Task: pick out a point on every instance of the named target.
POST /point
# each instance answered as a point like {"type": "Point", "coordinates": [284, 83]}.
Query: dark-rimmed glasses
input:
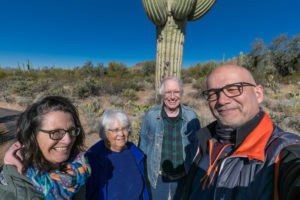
{"type": "Point", "coordinates": [58, 134]}
{"type": "Point", "coordinates": [117, 130]}
{"type": "Point", "coordinates": [230, 90]}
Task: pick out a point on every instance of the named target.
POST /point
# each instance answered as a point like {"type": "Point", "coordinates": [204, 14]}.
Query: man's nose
{"type": "Point", "coordinates": [222, 98]}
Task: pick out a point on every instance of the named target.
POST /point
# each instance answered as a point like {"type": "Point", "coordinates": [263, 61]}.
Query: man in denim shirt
{"type": "Point", "coordinates": [168, 140]}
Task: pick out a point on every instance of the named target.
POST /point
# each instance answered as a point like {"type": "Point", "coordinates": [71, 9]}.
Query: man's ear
{"type": "Point", "coordinates": [259, 92]}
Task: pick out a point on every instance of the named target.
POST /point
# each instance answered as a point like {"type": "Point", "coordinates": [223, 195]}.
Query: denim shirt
{"type": "Point", "coordinates": [151, 138]}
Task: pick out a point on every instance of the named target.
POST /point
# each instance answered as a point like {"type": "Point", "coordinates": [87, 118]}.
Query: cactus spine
{"type": "Point", "coordinates": [170, 18]}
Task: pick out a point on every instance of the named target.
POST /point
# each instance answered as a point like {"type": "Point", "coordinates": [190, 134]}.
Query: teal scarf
{"type": "Point", "coordinates": [61, 185]}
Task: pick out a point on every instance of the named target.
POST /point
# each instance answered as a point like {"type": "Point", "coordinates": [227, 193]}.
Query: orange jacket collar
{"type": "Point", "coordinates": [254, 144]}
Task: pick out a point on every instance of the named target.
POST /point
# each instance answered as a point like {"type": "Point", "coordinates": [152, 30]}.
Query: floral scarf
{"type": "Point", "coordinates": [60, 185]}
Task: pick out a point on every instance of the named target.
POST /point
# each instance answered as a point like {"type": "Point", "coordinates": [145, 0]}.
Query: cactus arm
{"type": "Point", "coordinates": [182, 8]}
{"type": "Point", "coordinates": [156, 11]}
{"type": "Point", "coordinates": [201, 7]}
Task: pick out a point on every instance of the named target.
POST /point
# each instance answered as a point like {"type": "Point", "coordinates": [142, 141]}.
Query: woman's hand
{"type": "Point", "coordinates": [13, 156]}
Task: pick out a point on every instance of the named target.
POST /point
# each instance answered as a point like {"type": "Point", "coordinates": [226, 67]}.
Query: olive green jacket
{"type": "Point", "coordinates": [15, 186]}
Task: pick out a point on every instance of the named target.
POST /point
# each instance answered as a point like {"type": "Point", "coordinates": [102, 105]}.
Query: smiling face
{"type": "Point", "coordinates": [56, 151]}
{"type": "Point", "coordinates": [117, 136]}
{"type": "Point", "coordinates": [236, 111]}
{"type": "Point", "coordinates": [171, 95]}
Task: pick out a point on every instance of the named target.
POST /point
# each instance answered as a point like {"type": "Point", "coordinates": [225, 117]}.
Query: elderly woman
{"type": "Point", "coordinates": [50, 145]}
{"type": "Point", "coordinates": [117, 165]}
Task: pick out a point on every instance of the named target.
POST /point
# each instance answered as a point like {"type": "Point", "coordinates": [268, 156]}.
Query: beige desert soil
{"type": "Point", "coordinates": [11, 106]}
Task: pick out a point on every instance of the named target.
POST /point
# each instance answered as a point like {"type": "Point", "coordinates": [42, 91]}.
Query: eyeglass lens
{"type": "Point", "coordinates": [117, 130]}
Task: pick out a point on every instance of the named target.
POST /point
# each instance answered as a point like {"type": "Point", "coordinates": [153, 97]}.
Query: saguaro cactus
{"type": "Point", "coordinates": [170, 18]}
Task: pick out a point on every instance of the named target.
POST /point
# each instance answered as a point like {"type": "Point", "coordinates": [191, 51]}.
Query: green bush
{"type": "Point", "coordinates": [130, 95]}
{"type": "Point", "coordinates": [85, 88]}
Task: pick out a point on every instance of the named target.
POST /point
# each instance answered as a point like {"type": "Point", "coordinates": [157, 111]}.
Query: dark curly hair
{"type": "Point", "coordinates": [29, 123]}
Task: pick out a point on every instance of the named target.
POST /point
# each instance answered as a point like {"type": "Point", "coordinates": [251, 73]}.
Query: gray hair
{"type": "Point", "coordinates": [110, 116]}
{"type": "Point", "coordinates": [161, 90]}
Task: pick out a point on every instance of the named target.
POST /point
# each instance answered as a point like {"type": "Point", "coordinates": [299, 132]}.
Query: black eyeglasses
{"type": "Point", "coordinates": [230, 90]}
{"type": "Point", "coordinates": [58, 134]}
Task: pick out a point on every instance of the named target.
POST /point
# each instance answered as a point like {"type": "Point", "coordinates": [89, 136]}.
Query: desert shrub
{"type": "Point", "coordinates": [22, 87]}
{"type": "Point", "coordinates": [115, 86]}
{"type": "Point", "coordinates": [117, 69]}
{"type": "Point", "coordinates": [92, 110]}
{"type": "Point", "coordinates": [41, 85]}
{"type": "Point", "coordinates": [136, 113]}
{"type": "Point", "coordinates": [273, 105]}
{"type": "Point", "coordinates": [140, 110]}
{"type": "Point", "coordinates": [135, 125]}
{"type": "Point", "coordinates": [267, 79]}
{"type": "Point", "coordinates": [151, 99]}
{"type": "Point", "coordinates": [3, 85]}
{"type": "Point", "coordinates": [290, 105]}
{"type": "Point", "coordinates": [58, 91]}
{"type": "Point", "coordinates": [199, 70]}
{"type": "Point", "coordinates": [291, 124]}
{"type": "Point", "coordinates": [6, 97]}
{"type": "Point", "coordinates": [85, 88]}
{"type": "Point", "coordinates": [187, 79]}
{"type": "Point", "coordinates": [292, 94]}
{"type": "Point", "coordinates": [291, 79]}
{"type": "Point", "coordinates": [148, 68]}
{"type": "Point", "coordinates": [130, 95]}
{"type": "Point", "coordinates": [93, 105]}
{"type": "Point", "coordinates": [136, 83]}
{"type": "Point", "coordinates": [286, 122]}
{"type": "Point", "coordinates": [200, 86]}
{"type": "Point", "coordinates": [149, 83]}
{"type": "Point", "coordinates": [194, 95]}
{"type": "Point", "coordinates": [116, 101]}
{"type": "Point", "coordinates": [3, 73]}
{"type": "Point", "coordinates": [24, 101]}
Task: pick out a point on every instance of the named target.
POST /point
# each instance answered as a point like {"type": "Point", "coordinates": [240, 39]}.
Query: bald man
{"type": "Point", "coordinates": [242, 155]}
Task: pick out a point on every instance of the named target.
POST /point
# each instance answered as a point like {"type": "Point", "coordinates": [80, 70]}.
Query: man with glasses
{"type": "Point", "coordinates": [168, 138]}
{"type": "Point", "coordinates": [242, 155]}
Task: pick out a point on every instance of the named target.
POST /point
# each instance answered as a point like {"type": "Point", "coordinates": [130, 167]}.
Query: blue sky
{"type": "Point", "coordinates": [68, 33]}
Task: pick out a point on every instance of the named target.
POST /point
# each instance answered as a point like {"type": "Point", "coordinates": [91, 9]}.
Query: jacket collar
{"type": "Point", "coordinates": [166, 117]}
{"type": "Point", "coordinates": [243, 131]}
{"type": "Point", "coordinates": [254, 142]}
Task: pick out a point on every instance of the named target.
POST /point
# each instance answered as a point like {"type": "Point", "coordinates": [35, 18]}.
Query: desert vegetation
{"type": "Point", "coordinates": [95, 87]}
